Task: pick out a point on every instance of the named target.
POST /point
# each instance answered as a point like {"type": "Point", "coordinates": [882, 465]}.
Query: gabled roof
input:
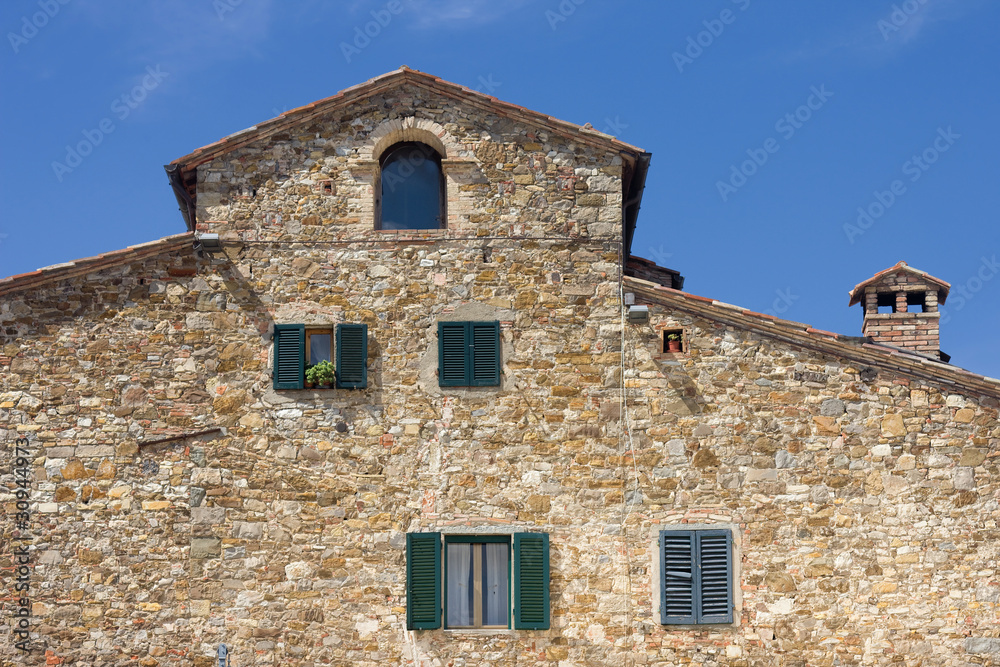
{"type": "Point", "coordinates": [183, 171]}
{"type": "Point", "coordinates": [858, 350]}
{"type": "Point", "coordinates": [901, 266]}
{"type": "Point", "coordinates": [404, 75]}
{"type": "Point", "coordinates": [56, 272]}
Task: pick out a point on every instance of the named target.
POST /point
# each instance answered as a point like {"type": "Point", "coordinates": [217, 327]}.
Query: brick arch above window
{"type": "Point", "coordinates": [399, 130]}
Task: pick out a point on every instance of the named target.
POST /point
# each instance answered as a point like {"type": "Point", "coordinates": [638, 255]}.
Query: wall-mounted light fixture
{"type": "Point", "coordinates": [638, 314]}
{"type": "Point", "coordinates": [209, 243]}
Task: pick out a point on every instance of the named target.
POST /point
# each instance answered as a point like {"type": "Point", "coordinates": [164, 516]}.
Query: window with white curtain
{"type": "Point", "coordinates": [477, 581]}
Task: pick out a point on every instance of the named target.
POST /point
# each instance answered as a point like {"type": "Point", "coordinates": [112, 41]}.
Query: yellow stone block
{"type": "Point", "coordinates": [155, 504]}
{"type": "Point", "coordinates": [884, 587]}
{"type": "Point", "coordinates": [965, 415]}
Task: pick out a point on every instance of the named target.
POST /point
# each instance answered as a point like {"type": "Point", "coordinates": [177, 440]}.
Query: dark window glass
{"type": "Point", "coordinates": [319, 348]}
{"type": "Point", "coordinates": [412, 194]}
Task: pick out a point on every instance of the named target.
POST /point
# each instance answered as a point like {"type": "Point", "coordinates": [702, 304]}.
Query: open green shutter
{"type": "Point", "coordinates": [677, 590]}
{"type": "Point", "coordinates": [452, 354]}
{"type": "Point", "coordinates": [352, 356]}
{"type": "Point", "coordinates": [531, 581]}
{"type": "Point", "coordinates": [423, 581]}
{"type": "Point", "coordinates": [715, 576]}
{"type": "Point", "coordinates": [289, 355]}
{"type": "Point", "coordinates": [485, 354]}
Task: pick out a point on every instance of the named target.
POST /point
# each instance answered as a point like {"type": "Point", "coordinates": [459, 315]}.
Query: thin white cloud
{"type": "Point", "coordinates": [891, 30]}
{"type": "Point", "coordinates": [185, 36]}
{"type": "Point", "coordinates": [459, 13]}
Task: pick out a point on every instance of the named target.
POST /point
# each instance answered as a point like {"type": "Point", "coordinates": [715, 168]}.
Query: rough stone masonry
{"type": "Point", "coordinates": [179, 501]}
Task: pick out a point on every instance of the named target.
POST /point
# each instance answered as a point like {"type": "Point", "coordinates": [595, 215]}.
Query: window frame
{"type": "Point", "coordinates": [697, 615]}
{"type": "Point", "coordinates": [430, 154]}
{"type": "Point", "coordinates": [310, 332]}
{"type": "Point", "coordinates": [288, 366]}
{"type": "Point", "coordinates": [478, 540]}
{"type": "Point", "coordinates": [528, 588]}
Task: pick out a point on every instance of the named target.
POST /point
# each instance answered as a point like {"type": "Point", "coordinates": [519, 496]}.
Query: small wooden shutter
{"type": "Point", "coordinates": [485, 354]}
{"type": "Point", "coordinates": [423, 581]}
{"type": "Point", "coordinates": [531, 581]}
{"type": "Point", "coordinates": [715, 570]}
{"type": "Point", "coordinates": [677, 590]}
{"type": "Point", "coordinates": [352, 356]}
{"type": "Point", "coordinates": [452, 354]}
{"type": "Point", "coordinates": [289, 355]}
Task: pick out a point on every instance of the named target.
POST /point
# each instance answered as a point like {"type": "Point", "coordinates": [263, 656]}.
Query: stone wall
{"type": "Point", "coordinates": [180, 501]}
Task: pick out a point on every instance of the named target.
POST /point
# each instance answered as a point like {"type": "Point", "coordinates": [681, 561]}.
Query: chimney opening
{"type": "Point", "coordinates": [917, 299]}
{"type": "Point", "coordinates": [886, 303]}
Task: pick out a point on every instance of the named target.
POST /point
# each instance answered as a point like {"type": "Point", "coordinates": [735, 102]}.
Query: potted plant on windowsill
{"type": "Point", "coordinates": [322, 374]}
{"type": "Point", "coordinates": [674, 343]}
{"type": "Point", "coordinates": [310, 380]}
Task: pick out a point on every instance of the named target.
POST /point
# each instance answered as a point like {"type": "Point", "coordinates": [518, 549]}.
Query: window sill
{"type": "Point", "coordinates": [479, 631]}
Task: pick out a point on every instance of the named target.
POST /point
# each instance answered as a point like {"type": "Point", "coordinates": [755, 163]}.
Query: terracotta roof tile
{"type": "Point", "coordinates": [858, 290]}
{"type": "Point", "coordinates": [377, 84]}
{"type": "Point", "coordinates": [858, 350]}
{"type": "Point", "coordinates": [14, 284]}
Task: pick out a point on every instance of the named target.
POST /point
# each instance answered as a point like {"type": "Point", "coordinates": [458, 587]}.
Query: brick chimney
{"type": "Point", "coordinates": [901, 309]}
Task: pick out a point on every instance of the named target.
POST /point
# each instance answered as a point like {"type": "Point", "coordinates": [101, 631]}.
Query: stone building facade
{"type": "Point", "coordinates": [180, 499]}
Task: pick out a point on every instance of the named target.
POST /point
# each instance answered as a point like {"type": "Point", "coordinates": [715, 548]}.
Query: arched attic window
{"type": "Point", "coordinates": [411, 188]}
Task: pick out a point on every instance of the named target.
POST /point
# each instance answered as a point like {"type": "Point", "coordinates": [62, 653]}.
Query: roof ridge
{"type": "Point", "coordinates": [300, 114]}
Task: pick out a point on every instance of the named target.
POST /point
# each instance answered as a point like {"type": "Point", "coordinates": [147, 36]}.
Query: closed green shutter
{"type": "Point", "coordinates": [531, 581]}
{"type": "Point", "coordinates": [715, 575]}
{"type": "Point", "coordinates": [423, 581]}
{"type": "Point", "coordinates": [352, 356]}
{"type": "Point", "coordinates": [677, 591]}
{"type": "Point", "coordinates": [289, 355]}
{"type": "Point", "coordinates": [468, 354]}
{"type": "Point", "coordinates": [485, 354]}
{"type": "Point", "coordinates": [697, 571]}
{"type": "Point", "coordinates": [452, 354]}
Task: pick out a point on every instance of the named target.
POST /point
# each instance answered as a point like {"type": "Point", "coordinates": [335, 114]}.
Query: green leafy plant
{"type": "Point", "coordinates": [673, 336]}
{"type": "Point", "coordinates": [322, 373]}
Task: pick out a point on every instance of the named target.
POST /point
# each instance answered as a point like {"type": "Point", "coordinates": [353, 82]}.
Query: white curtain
{"type": "Point", "coordinates": [495, 567]}
{"type": "Point", "coordinates": [459, 585]}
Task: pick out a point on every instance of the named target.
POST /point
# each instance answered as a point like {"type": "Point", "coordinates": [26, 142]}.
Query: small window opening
{"type": "Point", "coordinates": [673, 341]}
{"type": "Point", "coordinates": [326, 187]}
{"type": "Point", "coordinates": [886, 303]}
{"type": "Point", "coordinates": [319, 346]}
{"type": "Point", "coordinates": [411, 189]}
{"type": "Point", "coordinates": [916, 299]}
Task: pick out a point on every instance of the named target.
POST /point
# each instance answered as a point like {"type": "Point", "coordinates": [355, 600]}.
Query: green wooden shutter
{"type": "Point", "coordinates": [352, 356]}
{"type": "Point", "coordinates": [531, 581]}
{"type": "Point", "coordinates": [289, 355]}
{"type": "Point", "coordinates": [485, 353]}
{"type": "Point", "coordinates": [423, 581]}
{"type": "Point", "coordinates": [715, 576]}
{"type": "Point", "coordinates": [453, 369]}
{"type": "Point", "coordinates": [677, 589]}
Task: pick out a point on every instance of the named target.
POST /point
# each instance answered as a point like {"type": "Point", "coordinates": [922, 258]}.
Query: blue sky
{"type": "Point", "coordinates": [774, 127]}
